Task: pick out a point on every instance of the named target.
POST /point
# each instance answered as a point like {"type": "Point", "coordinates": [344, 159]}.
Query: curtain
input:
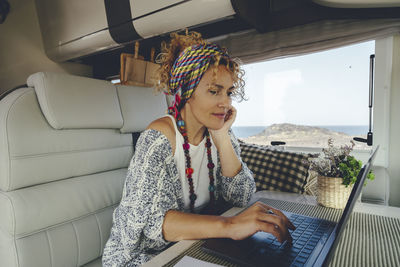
{"type": "Point", "coordinates": [251, 46]}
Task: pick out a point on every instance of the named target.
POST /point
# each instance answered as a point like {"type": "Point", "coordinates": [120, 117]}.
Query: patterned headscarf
{"type": "Point", "coordinates": [188, 70]}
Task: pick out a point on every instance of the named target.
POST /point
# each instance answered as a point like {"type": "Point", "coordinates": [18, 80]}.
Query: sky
{"type": "Point", "coordinates": [324, 88]}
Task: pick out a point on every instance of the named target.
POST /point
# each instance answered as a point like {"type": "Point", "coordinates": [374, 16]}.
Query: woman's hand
{"type": "Point", "coordinates": [230, 163]}
{"type": "Point", "coordinates": [222, 133]}
{"type": "Point", "coordinates": [260, 217]}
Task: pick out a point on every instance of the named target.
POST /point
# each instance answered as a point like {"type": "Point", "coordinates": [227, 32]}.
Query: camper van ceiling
{"type": "Point", "coordinates": [72, 29]}
{"type": "Point", "coordinates": [4, 9]}
{"type": "Point", "coordinates": [358, 3]}
{"type": "Point", "coordinates": [81, 30]}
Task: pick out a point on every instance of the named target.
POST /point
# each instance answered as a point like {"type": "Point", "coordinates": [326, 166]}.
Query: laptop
{"type": "Point", "coordinates": [314, 239]}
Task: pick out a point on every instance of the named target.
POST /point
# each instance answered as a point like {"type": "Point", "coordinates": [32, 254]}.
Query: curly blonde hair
{"type": "Point", "coordinates": [170, 52]}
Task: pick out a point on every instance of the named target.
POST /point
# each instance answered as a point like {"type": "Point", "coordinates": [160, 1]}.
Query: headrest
{"type": "Point", "coordinates": [139, 107]}
{"type": "Point", "coordinates": [71, 102]}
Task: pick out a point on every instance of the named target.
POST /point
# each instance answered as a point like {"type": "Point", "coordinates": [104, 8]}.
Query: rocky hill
{"type": "Point", "coordinates": [300, 135]}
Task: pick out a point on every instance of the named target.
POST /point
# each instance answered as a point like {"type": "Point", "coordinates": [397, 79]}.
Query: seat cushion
{"type": "Point", "coordinates": [61, 223]}
{"type": "Point", "coordinates": [95, 263]}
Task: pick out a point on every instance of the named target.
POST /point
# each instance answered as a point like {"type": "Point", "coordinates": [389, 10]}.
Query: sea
{"type": "Point", "coordinates": [359, 130]}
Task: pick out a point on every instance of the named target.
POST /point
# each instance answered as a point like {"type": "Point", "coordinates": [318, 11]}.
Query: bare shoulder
{"type": "Point", "coordinates": [165, 126]}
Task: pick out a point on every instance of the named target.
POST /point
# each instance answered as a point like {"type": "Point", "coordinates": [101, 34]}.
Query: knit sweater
{"type": "Point", "coordinates": [152, 188]}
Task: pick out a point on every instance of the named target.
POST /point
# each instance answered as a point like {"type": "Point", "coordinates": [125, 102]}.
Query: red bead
{"type": "Point", "coordinates": [186, 146]}
{"type": "Point", "coordinates": [189, 171]}
{"type": "Point", "coordinates": [210, 165]}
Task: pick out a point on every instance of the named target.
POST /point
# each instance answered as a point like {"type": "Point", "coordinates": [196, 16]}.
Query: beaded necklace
{"type": "Point", "coordinates": [189, 170]}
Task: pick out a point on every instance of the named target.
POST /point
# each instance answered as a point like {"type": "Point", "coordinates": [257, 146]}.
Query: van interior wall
{"type": "Point", "coordinates": [21, 48]}
{"type": "Point", "coordinates": [394, 141]}
{"type": "Point", "coordinates": [386, 123]}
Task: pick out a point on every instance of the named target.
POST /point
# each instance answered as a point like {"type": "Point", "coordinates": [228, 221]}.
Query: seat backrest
{"type": "Point", "coordinates": [65, 145]}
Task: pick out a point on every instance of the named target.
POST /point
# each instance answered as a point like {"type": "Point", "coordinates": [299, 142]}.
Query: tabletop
{"type": "Point", "coordinates": [181, 246]}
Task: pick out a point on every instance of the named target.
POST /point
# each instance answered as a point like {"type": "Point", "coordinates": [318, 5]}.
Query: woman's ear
{"type": "Point", "coordinates": [189, 102]}
{"type": "Point", "coordinates": [193, 96]}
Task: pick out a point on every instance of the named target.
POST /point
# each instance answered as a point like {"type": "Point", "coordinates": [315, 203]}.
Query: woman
{"type": "Point", "coordinates": [188, 161]}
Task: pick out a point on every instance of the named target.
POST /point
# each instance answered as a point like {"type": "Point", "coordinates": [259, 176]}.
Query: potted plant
{"type": "Point", "coordinates": [337, 172]}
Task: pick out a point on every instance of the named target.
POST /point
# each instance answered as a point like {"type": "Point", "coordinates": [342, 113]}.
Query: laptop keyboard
{"type": "Point", "coordinates": [309, 231]}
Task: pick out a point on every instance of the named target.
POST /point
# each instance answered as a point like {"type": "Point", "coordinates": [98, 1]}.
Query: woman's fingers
{"type": "Point", "coordinates": [287, 221]}
{"type": "Point", "coordinates": [233, 113]}
{"type": "Point", "coordinates": [269, 209]}
{"type": "Point", "coordinates": [275, 224]}
{"type": "Point", "coordinates": [275, 217]}
{"type": "Point", "coordinates": [274, 230]}
{"type": "Point", "coordinates": [260, 217]}
{"type": "Point", "coordinates": [230, 118]}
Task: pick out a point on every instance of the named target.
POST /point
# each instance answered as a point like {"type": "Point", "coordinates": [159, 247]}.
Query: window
{"type": "Point", "coordinates": [304, 100]}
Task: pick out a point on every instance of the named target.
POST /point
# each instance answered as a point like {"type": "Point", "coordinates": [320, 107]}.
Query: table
{"type": "Point", "coordinates": [180, 247]}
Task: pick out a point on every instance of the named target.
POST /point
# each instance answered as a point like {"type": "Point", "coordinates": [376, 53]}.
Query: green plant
{"type": "Point", "coordinates": [337, 162]}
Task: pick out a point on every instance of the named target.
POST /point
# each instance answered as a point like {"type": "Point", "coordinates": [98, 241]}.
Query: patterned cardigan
{"type": "Point", "coordinates": [153, 187]}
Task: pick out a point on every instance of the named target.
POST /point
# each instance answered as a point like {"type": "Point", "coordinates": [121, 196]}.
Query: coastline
{"type": "Point", "coordinates": [302, 136]}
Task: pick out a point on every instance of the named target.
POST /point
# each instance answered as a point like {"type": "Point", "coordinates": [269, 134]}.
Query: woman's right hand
{"type": "Point", "coordinates": [260, 217]}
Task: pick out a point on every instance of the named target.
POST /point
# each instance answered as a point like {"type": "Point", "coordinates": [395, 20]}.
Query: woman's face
{"type": "Point", "coordinates": [211, 100]}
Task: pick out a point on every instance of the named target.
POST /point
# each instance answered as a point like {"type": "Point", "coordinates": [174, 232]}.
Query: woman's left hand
{"type": "Point", "coordinates": [222, 133]}
{"type": "Point", "coordinates": [230, 163]}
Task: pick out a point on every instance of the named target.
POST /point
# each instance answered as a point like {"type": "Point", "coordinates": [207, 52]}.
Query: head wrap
{"type": "Point", "coordinates": [188, 69]}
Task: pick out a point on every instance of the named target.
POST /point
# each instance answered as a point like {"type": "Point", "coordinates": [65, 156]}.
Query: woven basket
{"type": "Point", "coordinates": [332, 193]}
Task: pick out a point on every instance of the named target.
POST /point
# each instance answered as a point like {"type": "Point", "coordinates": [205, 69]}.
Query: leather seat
{"type": "Point", "coordinates": [65, 145]}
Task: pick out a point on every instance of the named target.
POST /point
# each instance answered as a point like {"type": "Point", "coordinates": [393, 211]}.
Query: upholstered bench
{"type": "Point", "coordinates": [65, 145]}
